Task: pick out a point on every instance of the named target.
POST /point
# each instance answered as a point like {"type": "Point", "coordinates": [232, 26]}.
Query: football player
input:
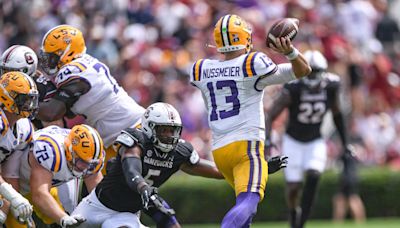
{"type": "Point", "coordinates": [57, 156]}
{"type": "Point", "coordinates": [147, 158]}
{"type": "Point", "coordinates": [24, 59]}
{"type": "Point", "coordinates": [18, 101]}
{"type": "Point", "coordinates": [307, 100]}
{"type": "Point", "coordinates": [85, 86]}
{"type": "Point", "coordinates": [232, 90]}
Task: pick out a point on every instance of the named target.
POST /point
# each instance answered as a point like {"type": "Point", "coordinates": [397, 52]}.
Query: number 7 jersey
{"type": "Point", "coordinates": [234, 105]}
{"type": "Point", "coordinates": [106, 106]}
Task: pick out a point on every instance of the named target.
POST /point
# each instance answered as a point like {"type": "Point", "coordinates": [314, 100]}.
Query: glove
{"type": "Point", "coordinates": [156, 201]}
{"type": "Point", "coordinates": [21, 209]}
{"type": "Point", "coordinates": [145, 193]}
{"type": "Point", "coordinates": [348, 154]}
{"type": "Point", "coordinates": [276, 163]}
{"type": "Point", "coordinates": [71, 221]}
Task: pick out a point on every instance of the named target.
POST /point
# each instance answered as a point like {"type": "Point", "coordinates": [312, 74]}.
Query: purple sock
{"type": "Point", "coordinates": [243, 212]}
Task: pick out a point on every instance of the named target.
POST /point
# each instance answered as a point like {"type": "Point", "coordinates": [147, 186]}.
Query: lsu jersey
{"type": "Point", "coordinates": [48, 150]}
{"type": "Point", "coordinates": [106, 106]}
{"type": "Point", "coordinates": [15, 137]}
{"type": "Point", "coordinates": [234, 104]}
{"type": "Point", "coordinates": [309, 105]}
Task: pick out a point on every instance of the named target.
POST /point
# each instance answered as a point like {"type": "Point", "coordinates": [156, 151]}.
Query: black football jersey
{"type": "Point", "coordinates": [157, 168]}
{"type": "Point", "coordinates": [309, 106]}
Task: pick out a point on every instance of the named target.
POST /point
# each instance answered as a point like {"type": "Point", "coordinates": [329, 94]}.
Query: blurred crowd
{"type": "Point", "coordinates": [149, 46]}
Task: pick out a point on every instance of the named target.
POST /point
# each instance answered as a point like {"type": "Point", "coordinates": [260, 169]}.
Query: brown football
{"type": "Point", "coordinates": [286, 27]}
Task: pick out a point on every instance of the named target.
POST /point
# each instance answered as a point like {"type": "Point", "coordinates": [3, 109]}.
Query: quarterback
{"type": "Point", "coordinates": [57, 156]}
{"type": "Point", "coordinates": [18, 100]}
{"type": "Point", "coordinates": [232, 90]}
{"type": "Point", "coordinates": [85, 86]}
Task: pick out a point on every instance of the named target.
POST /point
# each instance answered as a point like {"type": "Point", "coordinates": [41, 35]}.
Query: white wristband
{"type": "Point", "coordinates": [8, 192]}
{"type": "Point", "coordinates": [292, 55]}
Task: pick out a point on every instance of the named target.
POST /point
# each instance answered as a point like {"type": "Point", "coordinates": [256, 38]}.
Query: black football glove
{"type": "Point", "coordinates": [145, 193]}
{"type": "Point", "coordinates": [150, 198]}
{"type": "Point", "coordinates": [156, 201]}
{"type": "Point", "coordinates": [348, 154]}
{"type": "Point", "coordinates": [276, 163]}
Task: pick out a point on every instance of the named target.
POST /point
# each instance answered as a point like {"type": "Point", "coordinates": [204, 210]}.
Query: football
{"type": "Point", "coordinates": [286, 27]}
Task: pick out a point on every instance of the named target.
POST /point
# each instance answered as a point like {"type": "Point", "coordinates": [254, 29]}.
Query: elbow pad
{"type": "Point", "coordinates": [132, 168]}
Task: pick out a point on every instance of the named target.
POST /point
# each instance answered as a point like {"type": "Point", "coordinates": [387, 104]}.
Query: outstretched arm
{"type": "Point", "coordinates": [65, 97]}
{"type": "Point", "coordinates": [204, 168]}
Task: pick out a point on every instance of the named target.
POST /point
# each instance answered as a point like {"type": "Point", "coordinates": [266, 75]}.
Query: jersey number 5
{"type": "Point", "coordinates": [233, 98]}
{"type": "Point", "coordinates": [150, 173]}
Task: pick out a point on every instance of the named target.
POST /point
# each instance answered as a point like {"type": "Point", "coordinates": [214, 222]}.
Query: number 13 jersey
{"type": "Point", "coordinates": [234, 105]}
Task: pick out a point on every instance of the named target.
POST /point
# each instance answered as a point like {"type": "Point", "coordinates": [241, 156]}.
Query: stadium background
{"type": "Point", "coordinates": [150, 45]}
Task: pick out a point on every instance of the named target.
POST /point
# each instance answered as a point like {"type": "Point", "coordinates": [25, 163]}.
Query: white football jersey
{"type": "Point", "coordinates": [106, 107]}
{"type": "Point", "coordinates": [15, 137]}
{"type": "Point", "coordinates": [48, 150]}
{"type": "Point", "coordinates": [234, 105]}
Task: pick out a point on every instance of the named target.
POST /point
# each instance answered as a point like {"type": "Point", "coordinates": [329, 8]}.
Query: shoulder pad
{"type": "Point", "coordinates": [258, 64]}
{"type": "Point", "coordinates": [48, 153]}
{"type": "Point", "coordinates": [332, 77]}
{"type": "Point", "coordinates": [128, 137]}
{"type": "Point", "coordinates": [194, 157]}
{"type": "Point", "coordinates": [184, 148]}
{"type": "Point", "coordinates": [195, 70]}
{"type": "Point", "coordinates": [23, 133]}
{"type": "Point", "coordinates": [69, 72]}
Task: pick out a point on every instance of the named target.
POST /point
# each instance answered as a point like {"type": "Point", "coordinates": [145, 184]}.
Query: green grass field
{"type": "Point", "coordinates": [371, 223]}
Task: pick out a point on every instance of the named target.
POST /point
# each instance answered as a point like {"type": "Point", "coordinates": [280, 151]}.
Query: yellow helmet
{"type": "Point", "coordinates": [18, 94]}
{"type": "Point", "coordinates": [84, 150]}
{"type": "Point", "coordinates": [60, 45]}
{"type": "Point", "coordinates": [232, 33]}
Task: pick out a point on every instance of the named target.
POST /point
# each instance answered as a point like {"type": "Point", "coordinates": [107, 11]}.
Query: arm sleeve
{"type": "Point", "coordinates": [340, 126]}
{"type": "Point", "coordinates": [70, 93]}
{"type": "Point", "coordinates": [283, 74]}
{"type": "Point", "coordinates": [132, 168]}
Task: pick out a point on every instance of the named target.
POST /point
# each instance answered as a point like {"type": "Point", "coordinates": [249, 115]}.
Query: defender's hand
{"type": "Point", "coordinates": [348, 154]}
{"type": "Point", "coordinates": [145, 193]}
{"type": "Point", "coordinates": [157, 202]}
{"type": "Point", "coordinates": [277, 163]}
